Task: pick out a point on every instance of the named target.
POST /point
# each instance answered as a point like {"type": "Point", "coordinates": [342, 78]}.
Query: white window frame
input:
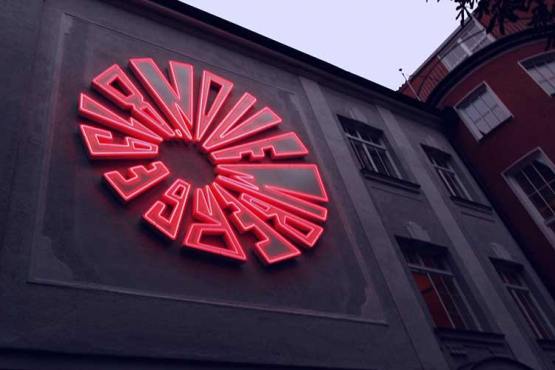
{"type": "Point", "coordinates": [381, 147]}
{"type": "Point", "coordinates": [461, 42]}
{"type": "Point", "coordinates": [531, 60]}
{"type": "Point", "coordinates": [470, 125]}
{"type": "Point", "coordinates": [448, 273]}
{"type": "Point", "coordinates": [521, 195]}
{"type": "Point", "coordinates": [440, 170]}
{"type": "Point", "coordinates": [524, 288]}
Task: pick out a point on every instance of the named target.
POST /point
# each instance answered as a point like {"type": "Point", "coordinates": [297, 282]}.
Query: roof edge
{"type": "Point", "coordinates": [307, 62]}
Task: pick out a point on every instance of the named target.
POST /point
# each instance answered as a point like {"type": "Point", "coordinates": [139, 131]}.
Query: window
{"type": "Point", "coordinates": [440, 291]}
{"type": "Point", "coordinates": [526, 303]}
{"type": "Point", "coordinates": [542, 70]}
{"type": "Point", "coordinates": [442, 163]}
{"type": "Point", "coordinates": [369, 148]}
{"type": "Point", "coordinates": [472, 39]}
{"type": "Point", "coordinates": [482, 111]}
{"type": "Point", "coordinates": [536, 179]}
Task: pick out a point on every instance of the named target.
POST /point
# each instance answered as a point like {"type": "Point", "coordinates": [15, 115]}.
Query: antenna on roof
{"type": "Point", "coordinates": [408, 83]}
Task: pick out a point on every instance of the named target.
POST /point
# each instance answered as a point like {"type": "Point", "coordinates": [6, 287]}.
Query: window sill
{"type": "Point", "coordinates": [392, 181]}
{"type": "Point", "coordinates": [470, 336]}
{"type": "Point", "coordinates": [470, 204]}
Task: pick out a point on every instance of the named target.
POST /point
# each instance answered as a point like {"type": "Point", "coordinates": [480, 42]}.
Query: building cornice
{"type": "Point", "coordinates": [481, 57]}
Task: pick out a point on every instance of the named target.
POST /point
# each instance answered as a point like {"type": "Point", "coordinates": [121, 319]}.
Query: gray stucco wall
{"type": "Point", "coordinates": [83, 286]}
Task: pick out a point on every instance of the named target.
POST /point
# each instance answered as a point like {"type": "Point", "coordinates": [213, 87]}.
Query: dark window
{"type": "Point", "coordinates": [370, 149]}
{"type": "Point", "coordinates": [537, 181]}
{"type": "Point", "coordinates": [439, 289]}
{"type": "Point", "coordinates": [442, 164]}
{"type": "Point", "coordinates": [526, 303]}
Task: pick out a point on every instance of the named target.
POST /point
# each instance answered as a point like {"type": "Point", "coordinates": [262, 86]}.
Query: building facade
{"type": "Point", "coordinates": [180, 193]}
{"type": "Point", "coordinates": [501, 90]}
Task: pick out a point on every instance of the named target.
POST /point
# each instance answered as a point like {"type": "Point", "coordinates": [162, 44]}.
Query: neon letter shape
{"type": "Point", "coordinates": [280, 147]}
{"type": "Point", "coordinates": [271, 247]}
{"type": "Point", "coordinates": [175, 197]}
{"type": "Point", "coordinates": [100, 145]}
{"type": "Point", "coordinates": [114, 84]}
{"type": "Point", "coordinates": [293, 187]}
{"type": "Point", "coordinates": [93, 110]}
{"type": "Point", "coordinates": [204, 118]}
{"type": "Point", "coordinates": [214, 223]}
{"type": "Point", "coordinates": [175, 99]}
{"type": "Point", "coordinates": [296, 228]}
{"type": "Point", "coordinates": [139, 179]}
{"type": "Point", "coordinates": [230, 131]}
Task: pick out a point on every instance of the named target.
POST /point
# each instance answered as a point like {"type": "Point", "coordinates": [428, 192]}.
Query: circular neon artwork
{"type": "Point", "coordinates": [262, 185]}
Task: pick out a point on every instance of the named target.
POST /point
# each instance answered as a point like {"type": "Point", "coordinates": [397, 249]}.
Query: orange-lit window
{"type": "Point", "coordinates": [440, 291]}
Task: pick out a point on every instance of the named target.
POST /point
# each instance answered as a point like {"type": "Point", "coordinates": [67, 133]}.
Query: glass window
{"type": "Point", "coordinates": [536, 179]}
{"type": "Point", "coordinates": [482, 111]}
{"type": "Point", "coordinates": [442, 164]}
{"type": "Point", "coordinates": [472, 39]}
{"type": "Point", "coordinates": [519, 292]}
{"type": "Point", "coordinates": [440, 291]}
{"type": "Point", "coordinates": [370, 149]}
{"type": "Point", "coordinates": [542, 70]}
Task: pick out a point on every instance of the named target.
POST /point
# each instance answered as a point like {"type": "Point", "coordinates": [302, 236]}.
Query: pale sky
{"type": "Point", "coordinates": [371, 38]}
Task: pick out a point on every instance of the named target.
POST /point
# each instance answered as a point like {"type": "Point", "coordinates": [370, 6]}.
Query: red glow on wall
{"type": "Point", "coordinates": [175, 198]}
{"type": "Point", "coordinates": [139, 179]}
{"type": "Point", "coordinates": [100, 144]}
{"type": "Point", "coordinates": [280, 204]}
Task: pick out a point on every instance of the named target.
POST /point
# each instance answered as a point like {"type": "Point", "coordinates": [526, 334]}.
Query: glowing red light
{"type": "Point", "coordinates": [175, 198]}
{"type": "Point", "coordinates": [114, 84]}
{"type": "Point", "coordinates": [139, 180]}
{"type": "Point", "coordinates": [204, 118]}
{"type": "Point", "coordinates": [214, 223]}
{"type": "Point", "coordinates": [278, 203]}
{"type": "Point", "coordinates": [280, 147]}
{"type": "Point", "coordinates": [100, 144]}
{"type": "Point", "coordinates": [175, 100]}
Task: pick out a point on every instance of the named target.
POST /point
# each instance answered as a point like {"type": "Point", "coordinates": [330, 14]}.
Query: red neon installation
{"type": "Point", "coordinates": [204, 117]}
{"type": "Point", "coordinates": [139, 179]}
{"type": "Point", "coordinates": [278, 203]}
{"type": "Point", "coordinates": [296, 228]}
{"type": "Point", "coordinates": [174, 99]}
{"type": "Point", "coordinates": [100, 145]}
{"type": "Point", "coordinates": [284, 146]}
{"type": "Point", "coordinates": [116, 86]}
{"type": "Point", "coordinates": [175, 198]}
{"type": "Point", "coordinates": [230, 131]}
{"type": "Point", "coordinates": [271, 246]}
{"type": "Point", "coordinates": [295, 187]}
{"type": "Point", "coordinates": [214, 223]}
{"type": "Point", "coordinates": [93, 110]}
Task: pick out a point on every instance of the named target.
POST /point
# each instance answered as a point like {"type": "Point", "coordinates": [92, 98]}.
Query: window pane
{"type": "Point", "coordinates": [534, 176]}
{"type": "Point", "coordinates": [544, 170]}
{"type": "Point", "coordinates": [482, 111]}
{"type": "Point", "coordinates": [488, 99]}
{"type": "Point", "coordinates": [438, 313]}
{"type": "Point", "coordinates": [361, 154]}
{"type": "Point", "coordinates": [541, 206]}
{"type": "Point", "coordinates": [472, 113]}
{"type": "Point", "coordinates": [524, 183]}
{"type": "Point", "coordinates": [535, 318]}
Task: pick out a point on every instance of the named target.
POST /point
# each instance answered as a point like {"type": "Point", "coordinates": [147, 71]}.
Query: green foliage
{"type": "Point", "coordinates": [538, 13]}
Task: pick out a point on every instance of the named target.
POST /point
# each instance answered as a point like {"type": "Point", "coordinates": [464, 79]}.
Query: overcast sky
{"type": "Point", "coordinates": [372, 38]}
